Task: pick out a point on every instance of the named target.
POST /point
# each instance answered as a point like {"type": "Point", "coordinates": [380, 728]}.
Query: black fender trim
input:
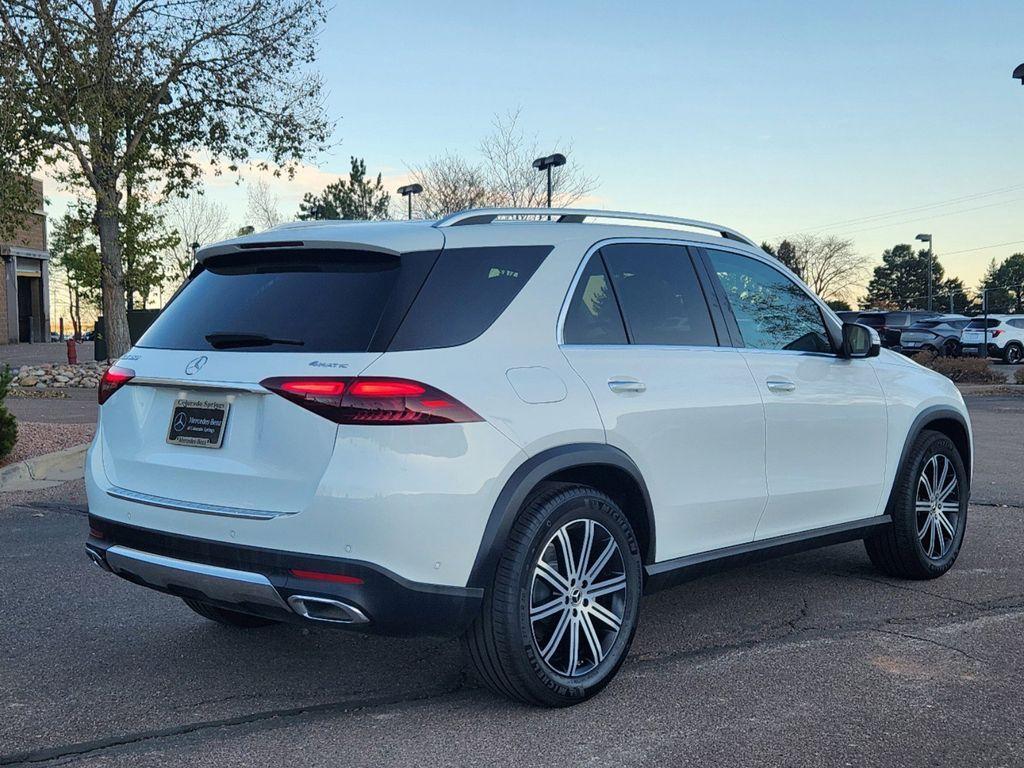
{"type": "Point", "coordinates": [533, 471]}
{"type": "Point", "coordinates": [920, 423]}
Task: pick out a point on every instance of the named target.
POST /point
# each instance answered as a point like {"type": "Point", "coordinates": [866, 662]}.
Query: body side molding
{"type": "Point", "coordinates": [669, 573]}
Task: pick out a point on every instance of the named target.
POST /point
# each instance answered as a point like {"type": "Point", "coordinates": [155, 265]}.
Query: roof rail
{"type": "Point", "coordinates": [578, 215]}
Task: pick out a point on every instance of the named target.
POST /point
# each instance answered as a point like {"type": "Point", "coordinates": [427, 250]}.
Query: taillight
{"type": "Point", "coordinates": [115, 378]}
{"type": "Point", "coordinates": [993, 334]}
{"type": "Point", "coordinates": [372, 401]}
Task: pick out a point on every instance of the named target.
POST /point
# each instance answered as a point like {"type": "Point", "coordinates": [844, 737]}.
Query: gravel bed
{"type": "Point", "coordinates": [35, 439]}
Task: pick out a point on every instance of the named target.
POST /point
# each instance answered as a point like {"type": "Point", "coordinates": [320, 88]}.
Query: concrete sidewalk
{"type": "Point", "coordinates": [46, 471]}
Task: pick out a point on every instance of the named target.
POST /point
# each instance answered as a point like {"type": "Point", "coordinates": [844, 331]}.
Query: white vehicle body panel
{"type": "Point", "coordinates": [725, 459]}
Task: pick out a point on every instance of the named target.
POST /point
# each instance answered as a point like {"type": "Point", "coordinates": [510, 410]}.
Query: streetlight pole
{"type": "Point", "coordinates": [1018, 74]}
{"type": "Point", "coordinates": [408, 191]}
{"type": "Point", "coordinates": [546, 164]}
{"type": "Point", "coordinates": [925, 238]}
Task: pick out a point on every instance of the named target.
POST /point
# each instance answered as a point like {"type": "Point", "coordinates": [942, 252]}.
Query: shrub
{"type": "Point", "coordinates": [963, 370]}
{"type": "Point", "coordinates": [8, 426]}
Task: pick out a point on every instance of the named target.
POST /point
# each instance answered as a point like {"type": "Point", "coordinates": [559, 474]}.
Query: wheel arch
{"type": "Point", "coordinates": [602, 466]}
{"type": "Point", "coordinates": [939, 418]}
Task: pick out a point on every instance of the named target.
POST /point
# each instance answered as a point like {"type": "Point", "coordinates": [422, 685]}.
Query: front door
{"type": "Point", "coordinates": [685, 409]}
{"type": "Point", "coordinates": [825, 414]}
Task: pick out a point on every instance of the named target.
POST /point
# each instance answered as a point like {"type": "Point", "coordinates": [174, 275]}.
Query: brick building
{"type": "Point", "coordinates": [25, 279]}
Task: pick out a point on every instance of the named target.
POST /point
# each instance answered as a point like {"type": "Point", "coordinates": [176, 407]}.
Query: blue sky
{"type": "Point", "coordinates": [769, 117]}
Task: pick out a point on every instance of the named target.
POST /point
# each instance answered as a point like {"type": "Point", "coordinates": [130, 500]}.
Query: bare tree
{"type": "Point", "coordinates": [450, 184]}
{"type": "Point", "coordinates": [828, 264]}
{"type": "Point", "coordinates": [264, 209]}
{"type": "Point", "coordinates": [508, 155]}
{"type": "Point", "coordinates": [504, 176]}
{"type": "Point", "coordinates": [198, 221]}
{"type": "Point", "coordinates": [142, 90]}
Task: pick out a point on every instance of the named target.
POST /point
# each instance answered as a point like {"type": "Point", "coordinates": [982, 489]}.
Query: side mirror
{"type": "Point", "coordinates": [860, 341]}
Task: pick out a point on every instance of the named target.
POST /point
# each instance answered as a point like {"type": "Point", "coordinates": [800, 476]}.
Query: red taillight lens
{"type": "Point", "coordinates": [115, 378]}
{"type": "Point", "coordinates": [993, 334]}
{"type": "Point", "coordinates": [337, 578]}
{"type": "Point", "coordinates": [365, 400]}
{"type": "Point", "coordinates": [314, 387]}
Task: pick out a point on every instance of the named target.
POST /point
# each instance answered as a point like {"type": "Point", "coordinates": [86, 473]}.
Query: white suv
{"type": "Point", "coordinates": [1004, 339]}
{"type": "Point", "coordinates": [508, 424]}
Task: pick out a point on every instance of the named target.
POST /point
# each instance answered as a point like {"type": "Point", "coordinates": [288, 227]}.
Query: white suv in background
{"type": "Point", "coordinates": [1005, 337]}
{"type": "Point", "coordinates": [508, 424]}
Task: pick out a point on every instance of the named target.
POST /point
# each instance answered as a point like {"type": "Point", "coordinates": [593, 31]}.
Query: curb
{"type": "Point", "coordinates": [46, 471]}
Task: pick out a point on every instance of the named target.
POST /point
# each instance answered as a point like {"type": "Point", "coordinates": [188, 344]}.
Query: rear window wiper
{"type": "Point", "coordinates": [231, 340]}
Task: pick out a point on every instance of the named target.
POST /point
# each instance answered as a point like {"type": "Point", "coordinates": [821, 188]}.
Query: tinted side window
{"type": "Point", "coordinates": [1016, 323]}
{"type": "Point", "coordinates": [896, 319]}
{"type": "Point", "coordinates": [466, 291]}
{"type": "Point", "coordinates": [661, 298]}
{"type": "Point", "coordinates": [771, 310]}
{"type": "Point", "coordinates": [593, 316]}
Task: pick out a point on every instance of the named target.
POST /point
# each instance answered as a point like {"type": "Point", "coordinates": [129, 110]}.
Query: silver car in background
{"type": "Point", "coordinates": [941, 335]}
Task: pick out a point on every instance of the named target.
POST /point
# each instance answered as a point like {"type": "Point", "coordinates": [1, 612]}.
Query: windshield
{"type": "Point", "coordinates": [299, 302]}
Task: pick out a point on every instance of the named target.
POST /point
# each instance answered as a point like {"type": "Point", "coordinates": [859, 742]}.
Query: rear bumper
{"type": "Point", "coordinates": [260, 582]}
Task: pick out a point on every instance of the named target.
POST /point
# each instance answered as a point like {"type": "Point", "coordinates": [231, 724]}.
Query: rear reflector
{"type": "Point", "coordinates": [337, 578]}
{"type": "Point", "coordinates": [372, 401]}
{"type": "Point", "coordinates": [115, 378]}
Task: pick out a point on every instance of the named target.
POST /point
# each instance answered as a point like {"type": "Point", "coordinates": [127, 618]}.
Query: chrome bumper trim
{"type": "Point", "coordinates": [193, 506]}
{"type": "Point", "coordinates": [222, 584]}
{"type": "Point", "coordinates": [220, 386]}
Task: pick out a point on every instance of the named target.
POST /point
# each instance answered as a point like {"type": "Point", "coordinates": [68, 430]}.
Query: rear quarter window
{"type": "Point", "coordinates": [466, 291]}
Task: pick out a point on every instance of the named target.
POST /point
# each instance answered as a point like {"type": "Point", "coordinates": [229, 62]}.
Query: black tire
{"type": "Point", "coordinates": [1013, 353]}
{"type": "Point", "coordinates": [502, 642]}
{"type": "Point", "coordinates": [898, 549]}
{"type": "Point", "coordinates": [951, 348]}
{"type": "Point", "coordinates": [227, 617]}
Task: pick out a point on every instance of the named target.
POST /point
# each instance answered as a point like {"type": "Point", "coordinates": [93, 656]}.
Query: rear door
{"type": "Point", "coordinates": [682, 406]}
{"type": "Point", "coordinates": [825, 415]}
{"type": "Point", "coordinates": [194, 425]}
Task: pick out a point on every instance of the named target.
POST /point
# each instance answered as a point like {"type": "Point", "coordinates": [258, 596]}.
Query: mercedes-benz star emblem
{"type": "Point", "coordinates": [180, 421]}
{"type": "Point", "coordinates": [194, 366]}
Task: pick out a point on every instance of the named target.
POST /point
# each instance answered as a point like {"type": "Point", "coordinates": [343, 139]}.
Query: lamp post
{"type": "Point", "coordinates": [931, 261]}
{"type": "Point", "coordinates": [1018, 74]}
{"type": "Point", "coordinates": [408, 191]}
{"type": "Point", "coordinates": [546, 164]}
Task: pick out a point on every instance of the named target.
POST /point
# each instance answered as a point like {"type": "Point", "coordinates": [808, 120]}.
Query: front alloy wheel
{"type": "Point", "coordinates": [559, 618]}
{"type": "Point", "coordinates": [928, 507]}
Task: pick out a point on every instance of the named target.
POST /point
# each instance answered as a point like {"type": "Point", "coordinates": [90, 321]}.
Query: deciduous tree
{"type": "Point", "coordinates": [161, 89]}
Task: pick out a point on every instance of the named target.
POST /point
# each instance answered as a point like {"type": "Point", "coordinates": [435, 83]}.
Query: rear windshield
{"type": "Point", "coordinates": [875, 321]}
{"type": "Point", "coordinates": [981, 323]}
{"type": "Point", "coordinates": [306, 302]}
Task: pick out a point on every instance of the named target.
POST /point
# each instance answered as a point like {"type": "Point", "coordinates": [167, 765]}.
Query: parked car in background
{"type": "Point", "coordinates": [890, 325]}
{"type": "Point", "coordinates": [1005, 338]}
{"type": "Point", "coordinates": [940, 335]}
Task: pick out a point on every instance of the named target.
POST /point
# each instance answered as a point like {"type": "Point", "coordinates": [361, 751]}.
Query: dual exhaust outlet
{"type": "Point", "coordinates": [220, 584]}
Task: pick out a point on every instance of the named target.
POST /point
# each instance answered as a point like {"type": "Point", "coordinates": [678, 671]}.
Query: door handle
{"type": "Point", "coordinates": [780, 385]}
{"type": "Point", "coordinates": [626, 385]}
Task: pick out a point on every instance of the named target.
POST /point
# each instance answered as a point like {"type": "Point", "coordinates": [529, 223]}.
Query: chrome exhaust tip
{"type": "Point", "coordinates": [322, 609]}
{"type": "Point", "coordinates": [97, 559]}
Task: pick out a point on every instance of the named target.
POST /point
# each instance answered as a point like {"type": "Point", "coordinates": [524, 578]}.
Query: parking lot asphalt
{"type": "Point", "coordinates": [813, 659]}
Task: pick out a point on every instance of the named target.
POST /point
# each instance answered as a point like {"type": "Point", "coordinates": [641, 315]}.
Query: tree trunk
{"type": "Point", "coordinates": [115, 313]}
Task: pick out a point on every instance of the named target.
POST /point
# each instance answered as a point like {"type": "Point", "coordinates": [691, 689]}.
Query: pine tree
{"type": "Point", "coordinates": [356, 198]}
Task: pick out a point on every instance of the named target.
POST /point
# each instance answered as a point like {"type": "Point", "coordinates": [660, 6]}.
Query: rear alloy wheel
{"type": "Point", "coordinates": [929, 512]}
{"type": "Point", "coordinates": [951, 348]}
{"type": "Point", "coordinates": [227, 617]}
{"type": "Point", "coordinates": [1013, 353]}
{"type": "Point", "coordinates": [560, 618]}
